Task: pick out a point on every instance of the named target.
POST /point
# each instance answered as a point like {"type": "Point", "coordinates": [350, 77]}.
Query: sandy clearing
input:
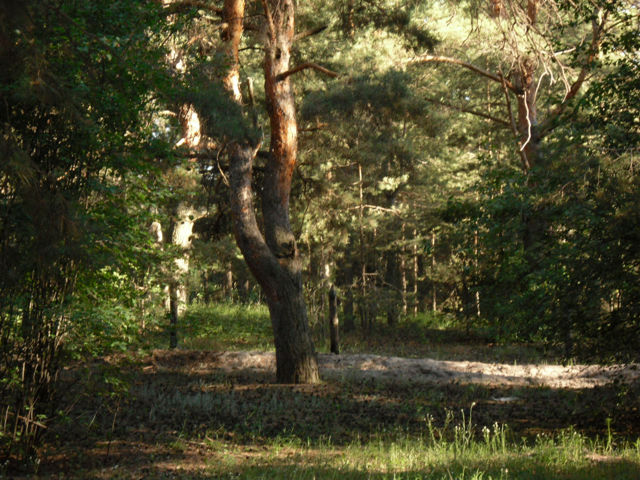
{"type": "Point", "coordinates": [426, 370]}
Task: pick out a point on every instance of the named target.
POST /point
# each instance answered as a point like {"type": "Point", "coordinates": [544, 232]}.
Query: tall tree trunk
{"type": "Point", "coordinates": [233, 15]}
{"type": "Point", "coordinates": [363, 303]}
{"type": "Point", "coordinates": [181, 231]}
{"type": "Point", "coordinates": [434, 291]}
{"type": "Point", "coordinates": [333, 321]}
{"type": "Point", "coordinates": [416, 301]}
{"type": "Point", "coordinates": [295, 353]}
{"type": "Point", "coordinates": [391, 280]}
{"type": "Point", "coordinates": [347, 304]}
{"type": "Point", "coordinates": [403, 272]}
{"type": "Point", "coordinates": [476, 272]}
{"type": "Point", "coordinates": [274, 259]}
{"type": "Point", "coordinates": [173, 314]}
{"type": "Point", "coordinates": [530, 140]}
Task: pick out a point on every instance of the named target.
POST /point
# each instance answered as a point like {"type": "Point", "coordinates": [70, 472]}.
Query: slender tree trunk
{"type": "Point", "coordinates": [403, 272]}
{"type": "Point", "coordinates": [391, 277]}
{"type": "Point", "coordinates": [476, 270]}
{"type": "Point", "coordinates": [434, 292]}
{"type": "Point", "coordinates": [347, 304]}
{"type": "Point", "coordinates": [173, 315]}
{"type": "Point", "coordinates": [333, 321]}
{"type": "Point", "coordinates": [364, 310]}
{"type": "Point", "coordinates": [228, 281]}
{"type": "Point", "coordinates": [415, 274]}
{"type": "Point", "coordinates": [296, 359]}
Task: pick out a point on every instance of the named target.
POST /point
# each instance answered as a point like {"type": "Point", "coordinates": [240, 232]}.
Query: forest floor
{"type": "Point", "coordinates": [196, 415]}
{"type": "Point", "coordinates": [427, 404]}
{"type": "Point", "coordinates": [366, 367]}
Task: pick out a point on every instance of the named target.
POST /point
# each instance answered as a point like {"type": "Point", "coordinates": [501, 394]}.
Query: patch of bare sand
{"type": "Point", "coordinates": [426, 370]}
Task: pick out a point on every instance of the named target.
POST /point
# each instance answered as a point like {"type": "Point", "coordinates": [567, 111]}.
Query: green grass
{"type": "Point", "coordinates": [570, 456]}
{"type": "Point", "coordinates": [226, 326]}
{"type": "Point", "coordinates": [450, 452]}
{"type": "Point", "coordinates": [233, 327]}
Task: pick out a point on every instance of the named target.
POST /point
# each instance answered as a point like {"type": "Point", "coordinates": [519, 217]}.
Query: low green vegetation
{"type": "Point", "coordinates": [226, 326]}
{"type": "Point", "coordinates": [570, 456]}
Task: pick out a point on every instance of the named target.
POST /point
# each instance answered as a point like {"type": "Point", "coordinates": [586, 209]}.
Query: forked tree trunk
{"type": "Point", "coordinates": [280, 278]}
{"type": "Point", "coordinates": [295, 353]}
{"type": "Point", "coordinates": [273, 258]}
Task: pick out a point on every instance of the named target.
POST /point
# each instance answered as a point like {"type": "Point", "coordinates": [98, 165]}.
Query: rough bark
{"type": "Point", "coordinates": [280, 279]}
{"type": "Point", "coordinates": [274, 258]}
{"type": "Point", "coordinates": [295, 353]}
{"type": "Point", "coordinates": [233, 15]}
{"type": "Point", "coordinates": [181, 231]}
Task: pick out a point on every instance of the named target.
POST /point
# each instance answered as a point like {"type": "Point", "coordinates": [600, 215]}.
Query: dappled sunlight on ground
{"type": "Point", "coordinates": [425, 370]}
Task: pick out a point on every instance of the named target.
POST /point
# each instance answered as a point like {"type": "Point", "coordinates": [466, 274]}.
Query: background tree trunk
{"type": "Point", "coordinates": [333, 321]}
{"type": "Point", "coordinates": [347, 305]}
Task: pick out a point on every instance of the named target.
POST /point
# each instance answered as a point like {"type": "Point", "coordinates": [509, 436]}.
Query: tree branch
{"type": "Point", "coordinates": [270, 23]}
{"type": "Point", "coordinates": [504, 123]}
{"type": "Point", "coordinates": [308, 33]}
{"type": "Point", "coordinates": [320, 126]}
{"type": "Point", "coordinates": [512, 121]}
{"type": "Point", "coordinates": [462, 63]}
{"type": "Point", "coordinates": [594, 48]}
{"type": "Point", "coordinates": [184, 5]}
{"type": "Point", "coordinates": [304, 66]}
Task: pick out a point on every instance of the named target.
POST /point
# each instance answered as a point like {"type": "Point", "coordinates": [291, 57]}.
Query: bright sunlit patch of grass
{"type": "Point", "coordinates": [462, 457]}
{"type": "Point", "coordinates": [226, 326]}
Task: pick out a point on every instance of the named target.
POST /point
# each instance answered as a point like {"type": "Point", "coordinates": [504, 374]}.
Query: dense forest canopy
{"type": "Point", "coordinates": [476, 159]}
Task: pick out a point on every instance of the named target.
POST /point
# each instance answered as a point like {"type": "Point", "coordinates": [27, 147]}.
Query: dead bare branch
{"type": "Point", "coordinates": [470, 111]}
{"type": "Point", "coordinates": [186, 5]}
{"type": "Point", "coordinates": [308, 33]}
{"type": "Point", "coordinates": [462, 63]}
{"type": "Point", "coordinates": [304, 66]}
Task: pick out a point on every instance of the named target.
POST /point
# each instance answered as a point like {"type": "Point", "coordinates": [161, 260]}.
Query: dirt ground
{"type": "Point", "coordinates": [426, 370]}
